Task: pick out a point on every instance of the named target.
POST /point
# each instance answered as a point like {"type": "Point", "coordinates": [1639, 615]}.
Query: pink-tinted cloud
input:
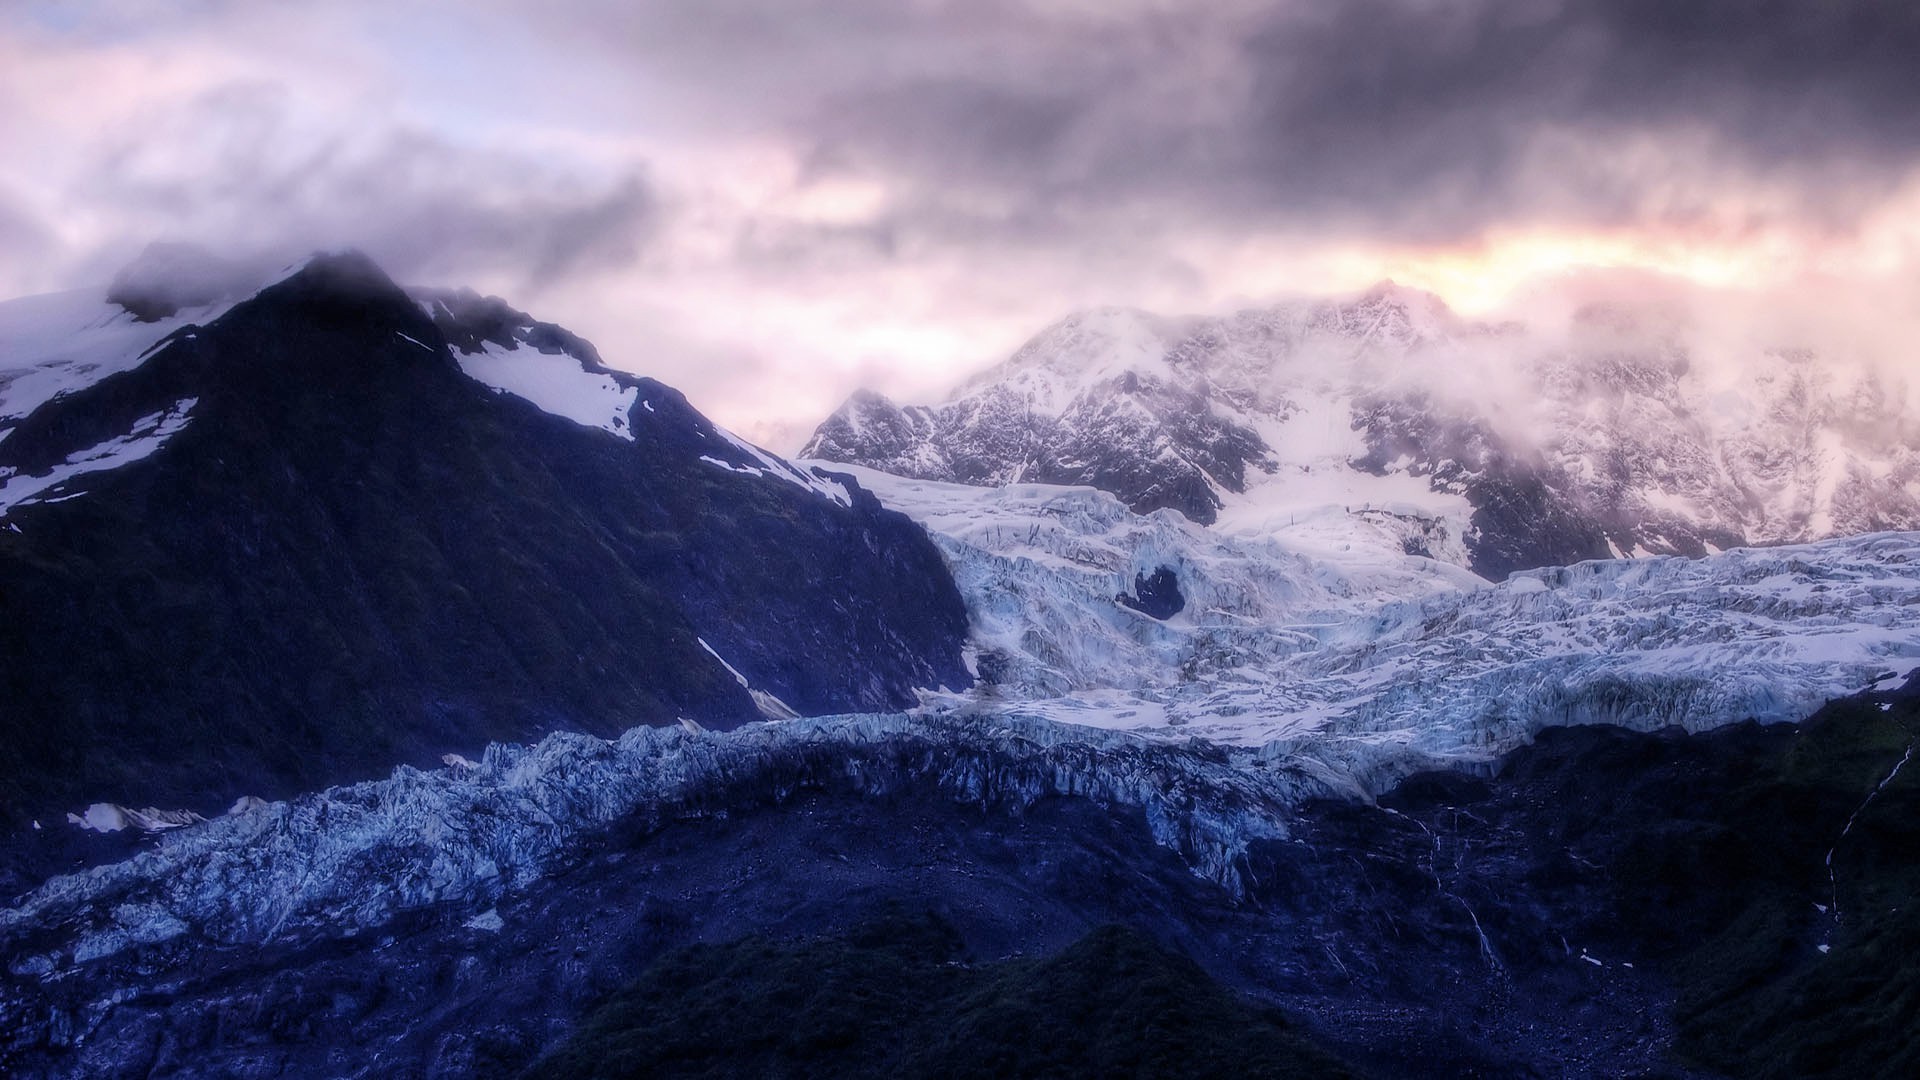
{"type": "Point", "coordinates": [771, 201]}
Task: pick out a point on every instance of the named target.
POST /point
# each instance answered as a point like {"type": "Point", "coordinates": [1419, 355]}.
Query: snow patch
{"type": "Point", "coordinates": [770, 707]}
{"type": "Point", "coordinates": [62, 343]}
{"type": "Point", "coordinates": [149, 433]}
{"type": "Point", "coordinates": [554, 383]}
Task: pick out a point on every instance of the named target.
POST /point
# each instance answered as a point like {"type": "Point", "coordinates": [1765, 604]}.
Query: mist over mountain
{"type": "Point", "coordinates": [1624, 429]}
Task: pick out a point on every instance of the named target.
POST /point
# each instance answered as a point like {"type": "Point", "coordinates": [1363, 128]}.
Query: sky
{"type": "Point", "coordinates": [770, 203]}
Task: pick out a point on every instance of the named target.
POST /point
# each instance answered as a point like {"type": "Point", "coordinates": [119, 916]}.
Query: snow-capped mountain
{"type": "Point", "coordinates": [296, 532]}
{"type": "Point", "coordinates": [281, 538]}
{"type": "Point", "coordinates": [1512, 446]}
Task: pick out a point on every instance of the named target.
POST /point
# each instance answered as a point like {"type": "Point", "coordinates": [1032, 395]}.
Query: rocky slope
{"type": "Point", "coordinates": [1517, 446]}
{"type": "Point", "coordinates": [294, 537]}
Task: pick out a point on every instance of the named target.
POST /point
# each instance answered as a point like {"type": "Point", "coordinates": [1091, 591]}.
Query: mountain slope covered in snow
{"type": "Point", "coordinates": [265, 542]}
{"type": "Point", "coordinates": [1514, 446]}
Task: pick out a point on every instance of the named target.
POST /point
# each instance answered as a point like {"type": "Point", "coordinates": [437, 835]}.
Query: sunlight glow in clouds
{"type": "Point", "coordinates": [772, 202]}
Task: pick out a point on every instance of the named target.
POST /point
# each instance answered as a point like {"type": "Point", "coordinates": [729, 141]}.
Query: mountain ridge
{"type": "Point", "coordinates": [351, 552]}
{"type": "Point", "coordinates": [1526, 448]}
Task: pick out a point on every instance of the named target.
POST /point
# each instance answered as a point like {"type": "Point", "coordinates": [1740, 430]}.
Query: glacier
{"type": "Point", "coordinates": [1284, 678]}
{"type": "Point", "coordinates": [1382, 663]}
{"type": "Point", "coordinates": [352, 858]}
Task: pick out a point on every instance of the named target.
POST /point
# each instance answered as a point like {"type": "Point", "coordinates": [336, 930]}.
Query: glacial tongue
{"type": "Point", "coordinates": [350, 859]}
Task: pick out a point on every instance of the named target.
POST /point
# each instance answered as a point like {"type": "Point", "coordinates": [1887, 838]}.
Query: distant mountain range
{"type": "Point", "coordinates": [1499, 447]}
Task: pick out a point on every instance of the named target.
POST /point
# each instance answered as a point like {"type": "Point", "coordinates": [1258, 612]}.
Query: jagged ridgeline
{"type": "Point", "coordinates": [298, 538]}
{"type": "Point", "coordinates": [1498, 447]}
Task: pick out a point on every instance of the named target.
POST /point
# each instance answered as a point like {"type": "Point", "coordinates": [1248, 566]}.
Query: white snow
{"type": "Point", "coordinates": [784, 470]}
{"type": "Point", "coordinates": [414, 340]}
{"type": "Point", "coordinates": [63, 342]}
{"type": "Point", "coordinates": [770, 707]}
{"type": "Point", "coordinates": [488, 922]}
{"type": "Point", "coordinates": [554, 383]}
{"type": "Point", "coordinates": [1378, 663]}
{"type": "Point", "coordinates": [729, 466]}
{"type": "Point", "coordinates": [149, 434]}
{"type": "Point", "coordinates": [111, 817]}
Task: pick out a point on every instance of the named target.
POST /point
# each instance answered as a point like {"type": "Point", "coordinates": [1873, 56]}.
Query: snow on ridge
{"type": "Point", "coordinates": [780, 468]}
{"type": "Point", "coordinates": [770, 707]}
{"type": "Point", "coordinates": [61, 343]}
{"type": "Point", "coordinates": [555, 383]}
{"type": "Point", "coordinates": [148, 434]}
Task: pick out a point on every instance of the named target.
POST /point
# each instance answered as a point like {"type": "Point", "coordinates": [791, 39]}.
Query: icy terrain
{"type": "Point", "coordinates": [1378, 663]}
{"type": "Point", "coordinates": [353, 858]}
{"type": "Point", "coordinates": [1302, 677]}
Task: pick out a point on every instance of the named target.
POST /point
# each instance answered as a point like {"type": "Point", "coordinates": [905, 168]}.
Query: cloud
{"type": "Point", "coordinates": [241, 168]}
{"type": "Point", "coordinates": [1415, 120]}
{"type": "Point", "coordinates": [776, 200]}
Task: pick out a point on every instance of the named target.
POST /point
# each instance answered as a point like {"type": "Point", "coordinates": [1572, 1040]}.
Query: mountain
{"type": "Point", "coordinates": [291, 537]}
{"type": "Point", "coordinates": [1505, 447]}
{"type": "Point", "coordinates": [1081, 788]}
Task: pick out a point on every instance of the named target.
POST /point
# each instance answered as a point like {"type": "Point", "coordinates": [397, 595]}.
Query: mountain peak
{"type": "Point", "coordinates": [1390, 310]}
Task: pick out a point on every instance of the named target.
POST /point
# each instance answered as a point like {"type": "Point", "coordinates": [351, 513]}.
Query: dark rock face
{"type": "Point", "coordinates": [728, 1010]}
{"type": "Point", "coordinates": [353, 555]}
{"type": "Point", "coordinates": [1157, 594]}
{"type": "Point", "coordinates": [1601, 903]}
{"type": "Point", "coordinates": [1155, 445]}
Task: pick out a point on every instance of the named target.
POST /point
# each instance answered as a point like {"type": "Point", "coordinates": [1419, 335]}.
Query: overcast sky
{"type": "Point", "coordinates": [771, 202]}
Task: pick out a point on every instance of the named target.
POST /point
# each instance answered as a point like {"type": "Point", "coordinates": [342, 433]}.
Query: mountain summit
{"type": "Point", "coordinates": [1386, 420]}
{"type": "Point", "coordinates": [255, 547]}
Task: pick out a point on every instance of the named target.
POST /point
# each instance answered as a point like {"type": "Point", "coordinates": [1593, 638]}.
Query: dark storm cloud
{"type": "Point", "coordinates": [239, 169]}
{"type": "Point", "coordinates": [1423, 120]}
{"type": "Point", "coordinates": [1378, 103]}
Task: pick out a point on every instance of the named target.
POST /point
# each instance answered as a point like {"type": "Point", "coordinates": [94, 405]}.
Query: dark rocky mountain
{"type": "Point", "coordinates": [1519, 447]}
{"type": "Point", "coordinates": [313, 538]}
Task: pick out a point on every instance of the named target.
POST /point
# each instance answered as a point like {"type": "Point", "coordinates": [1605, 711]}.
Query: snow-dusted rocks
{"type": "Point", "coordinates": [1500, 447]}
{"type": "Point", "coordinates": [58, 481]}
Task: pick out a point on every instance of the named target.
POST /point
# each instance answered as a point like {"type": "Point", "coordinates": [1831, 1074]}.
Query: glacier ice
{"type": "Point", "coordinates": [1387, 663]}
{"type": "Point", "coordinates": [352, 858]}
